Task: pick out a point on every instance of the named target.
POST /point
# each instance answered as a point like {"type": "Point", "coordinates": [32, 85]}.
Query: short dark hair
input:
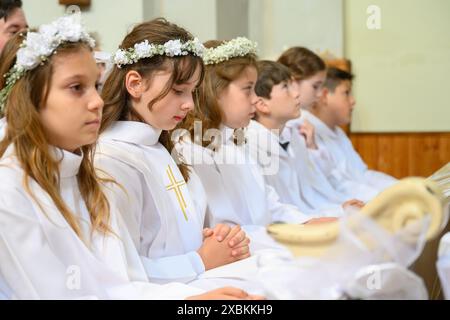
{"type": "Point", "coordinates": [270, 73]}
{"type": "Point", "coordinates": [335, 76]}
{"type": "Point", "coordinates": [8, 6]}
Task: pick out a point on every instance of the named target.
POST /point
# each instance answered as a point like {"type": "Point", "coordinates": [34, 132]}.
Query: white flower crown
{"type": "Point", "coordinates": [238, 47]}
{"type": "Point", "coordinates": [38, 46]}
{"type": "Point", "coordinates": [145, 49]}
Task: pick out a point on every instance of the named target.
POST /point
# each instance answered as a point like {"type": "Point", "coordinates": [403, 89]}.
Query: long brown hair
{"type": "Point", "coordinates": [31, 145]}
{"type": "Point", "coordinates": [115, 94]}
{"type": "Point", "coordinates": [217, 79]}
{"type": "Point", "coordinates": [303, 62]}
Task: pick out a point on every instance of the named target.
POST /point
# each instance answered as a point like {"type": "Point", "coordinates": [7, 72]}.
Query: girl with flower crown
{"type": "Point", "coordinates": [60, 238]}
{"type": "Point", "coordinates": [149, 91]}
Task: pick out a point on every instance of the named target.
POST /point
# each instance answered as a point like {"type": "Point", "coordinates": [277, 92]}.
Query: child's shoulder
{"type": "Point", "coordinates": [193, 152]}
{"type": "Point", "coordinates": [10, 171]}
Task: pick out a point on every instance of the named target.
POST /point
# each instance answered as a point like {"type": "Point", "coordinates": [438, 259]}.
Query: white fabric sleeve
{"type": "Point", "coordinates": [282, 212]}
{"type": "Point", "coordinates": [322, 160]}
{"type": "Point", "coordinates": [38, 262]}
{"type": "Point", "coordinates": [181, 268]}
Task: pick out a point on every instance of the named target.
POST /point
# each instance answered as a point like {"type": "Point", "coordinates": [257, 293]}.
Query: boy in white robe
{"type": "Point", "coordinates": [349, 173]}
{"type": "Point", "coordinates": [312, 160]}
{"type": "Point", "coordinates": [279, 102]}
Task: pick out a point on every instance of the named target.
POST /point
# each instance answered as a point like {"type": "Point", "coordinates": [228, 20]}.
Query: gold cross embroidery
{"type": "Point", "coordinates": [175, 185]}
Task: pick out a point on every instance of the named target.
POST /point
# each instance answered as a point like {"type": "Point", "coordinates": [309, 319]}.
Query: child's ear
{"type": "Point", "coordinates": [134, 84]}
{"type": "Point", "coordinates": [324, 95]}
{"type": "Point", "coordinates": [261, 106]}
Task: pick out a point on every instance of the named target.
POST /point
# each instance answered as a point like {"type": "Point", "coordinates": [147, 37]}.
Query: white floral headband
{"type": "Point", "coordinates": [38, 46]}
{"type": "Point", "coordinates": [238, 47]}
{"type": "Point", "coordinates": [145, 49]}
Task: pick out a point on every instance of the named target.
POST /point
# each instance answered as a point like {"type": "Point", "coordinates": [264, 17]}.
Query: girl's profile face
{"type": "Point", "coordinates": [72, 114]}
{"type": "Point", "coordinates": [237, 101]}
{"type": "Point", "coordinates": [311, 88]}
{"type": "Point", "coordinates": [166, 113]}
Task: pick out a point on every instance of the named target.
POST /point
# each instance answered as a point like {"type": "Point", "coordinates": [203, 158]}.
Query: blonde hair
{"type": "Point", "coordinates": [25, 131]}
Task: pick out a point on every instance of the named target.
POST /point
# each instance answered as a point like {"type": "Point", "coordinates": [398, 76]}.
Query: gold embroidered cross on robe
{"type": "Point", "coordinates": [176, 186]}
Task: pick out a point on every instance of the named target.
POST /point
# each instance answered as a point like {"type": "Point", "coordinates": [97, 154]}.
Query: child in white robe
{"type": "Point", "coordinates": [310, 73]}
{"type": "Point", "coordinates": [333, 110]}
{"type": "Point", "coordinates": [165, 221]}
{"type": "Point", "coordinates": [60, 238]}
{"type": "Point", "coordinates": [313, 162]}
{"type": "Point", "coordinates": [278, 102]}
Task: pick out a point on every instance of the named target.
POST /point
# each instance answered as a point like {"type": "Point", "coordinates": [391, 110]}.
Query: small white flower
{"type": "Point", "coordinates": [48, 32]}
{"type": "Point", "coordinates": [27, 59]}
{"type": "Point", "coordinates": [173, 48]}
{"type": "Point", "coordinates": [120, 58]}
{"type": "Point", "coordinates": [143, 49]}
{"type": "Point", "coordinates": [199, 48]}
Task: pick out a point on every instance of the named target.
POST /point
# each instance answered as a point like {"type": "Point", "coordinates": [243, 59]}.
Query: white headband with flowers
{"type": "Point", "coordinates": [145, 49]}
{"type": "Point", "coordinates": [238, 47]}
{"type": "Point", "coordinates": [38, 46]}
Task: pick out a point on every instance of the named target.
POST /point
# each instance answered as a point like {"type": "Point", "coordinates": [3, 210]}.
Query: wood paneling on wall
{"type": "Point", "coordinates": [403, 154]}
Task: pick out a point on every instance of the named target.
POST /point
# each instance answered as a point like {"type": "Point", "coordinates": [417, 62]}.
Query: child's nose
{"type": "Point", "coordinates": [253, 98]}
{"type": "Point", "coordinates": [96, 102]}
{"type": "Point", "coordinates": [189, 105]}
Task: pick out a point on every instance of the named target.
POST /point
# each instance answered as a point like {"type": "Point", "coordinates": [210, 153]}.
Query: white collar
{"type": "Point", "coordinates": [227, 134]}
{"type": "Point", "coordinates": [69, 164]}
{"type": "Point", "coordinates": [132, 132]}
{"type": "Point", "coordinates": [255, 125]}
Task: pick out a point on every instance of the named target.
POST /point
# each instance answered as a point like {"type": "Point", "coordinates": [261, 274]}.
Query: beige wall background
{"type": "Point", "coordinates": [402, 68]}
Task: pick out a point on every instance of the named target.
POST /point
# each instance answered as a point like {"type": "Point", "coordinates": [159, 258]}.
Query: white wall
{"type": "Point", "coordinates": [113, 18]}
{"type": "Point", "coordinates": [280, 24]}
{"type": "Point", "coordinates": [197, 16]}
{"type": "Point", "coordinates": [110, 18]}
{"type": "Point", "coordinates": [402, 70]}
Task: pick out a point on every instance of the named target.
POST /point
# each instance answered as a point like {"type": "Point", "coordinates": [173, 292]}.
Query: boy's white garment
{"type": "Point", "coordinates": [162, 216]}
{"type": "Point", "coordinates": [41, 257]}
{"type": "Point", "coordinates": [229, 174]}
{"type": "Point", "coordinates": [313, 167]}
{"type": "Point", "coordinates": [279, 168]}
{"type": "Point", "coordinates": [350, 174]}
